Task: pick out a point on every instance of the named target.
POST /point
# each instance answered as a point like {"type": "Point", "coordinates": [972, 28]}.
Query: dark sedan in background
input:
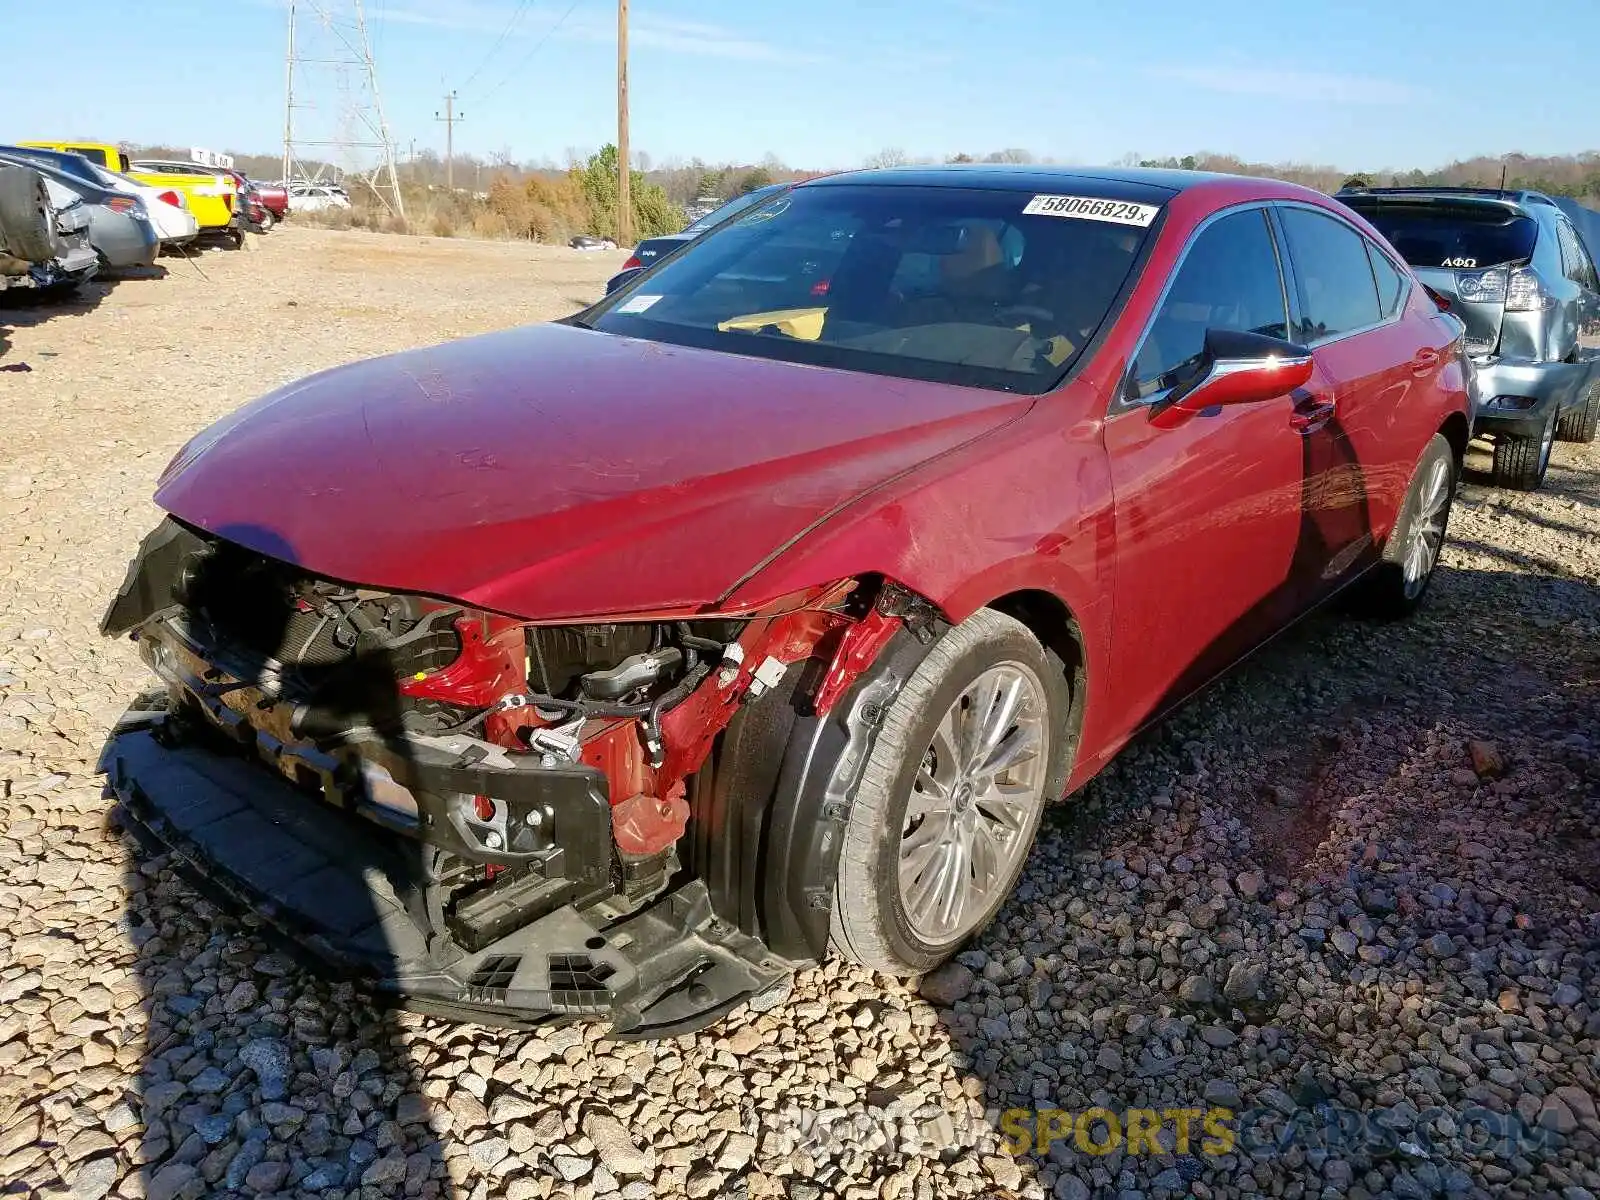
{"type": "Point", "coordinates": [652, 250]}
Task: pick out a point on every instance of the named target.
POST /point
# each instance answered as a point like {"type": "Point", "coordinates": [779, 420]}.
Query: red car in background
{"type": "Point", "coordinates": [617, 666]}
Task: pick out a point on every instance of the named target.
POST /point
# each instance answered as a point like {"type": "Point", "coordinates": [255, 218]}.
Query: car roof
{"type": "Point", "coordinates": [1156, 184]}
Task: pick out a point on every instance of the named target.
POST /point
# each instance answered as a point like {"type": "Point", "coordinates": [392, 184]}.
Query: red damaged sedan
{"type": "Point", "coordinates": [618, 666]}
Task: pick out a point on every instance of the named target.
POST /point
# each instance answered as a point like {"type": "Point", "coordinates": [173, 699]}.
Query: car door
{"type": "Point", "coordinates": [1366, 361]}
{"type": "Point", "coordinates": [1207, 511]}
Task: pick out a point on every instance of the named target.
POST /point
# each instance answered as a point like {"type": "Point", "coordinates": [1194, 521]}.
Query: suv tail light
{"type": "Point", "coordinates": [1526, 292]}
{"type": "Point", "coordinates": [1482, 287]}
{"type": "Point", "coordinates": [633, 261]}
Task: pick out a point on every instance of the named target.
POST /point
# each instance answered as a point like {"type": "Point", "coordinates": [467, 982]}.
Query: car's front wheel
{"type": "Point", "coordinates": [970, 751]}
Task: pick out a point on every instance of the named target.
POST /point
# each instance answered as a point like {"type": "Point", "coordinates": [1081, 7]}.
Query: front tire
{"type": "Point", "coordinates": [970, 752]}
{"type": "Point", "coordinates": [1396, 586]}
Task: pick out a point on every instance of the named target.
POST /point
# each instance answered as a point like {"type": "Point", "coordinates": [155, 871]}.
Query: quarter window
{"type": "Point", "coordinates": [1574, 258]}
{"type": "Point", "coordinates": [1391, 282]}
{"type": "Point", "coordinates": [1337, 291]}
{"type": "Point", "coordinates": [1229, 279]}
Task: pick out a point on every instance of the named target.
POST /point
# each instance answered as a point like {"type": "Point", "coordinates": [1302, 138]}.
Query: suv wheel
{"type": "Point", "coordinates": [1581, 423]}
{"type": "Point", "coordinates": [27, 218]}
{"type": "Point", "coordinates": [1396, 586]}
{"type": "Point", "coordinates": [970, 751]}
{"type": "Point", "coordinates": [1520, 462]}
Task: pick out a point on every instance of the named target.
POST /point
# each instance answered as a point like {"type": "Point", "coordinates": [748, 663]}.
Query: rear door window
{"type": "Point", "coordinates": [1230, 279]}
{"type": "Point", "coordinates": [1575, 259]}
{"type": "Point", "coordinates": [1332, 273]}
{"type": "Point", "coordinates": [93, 153]}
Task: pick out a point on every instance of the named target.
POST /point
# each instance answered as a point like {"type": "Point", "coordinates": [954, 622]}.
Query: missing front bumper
{"type": "Point", "coordinates": [354, 899]}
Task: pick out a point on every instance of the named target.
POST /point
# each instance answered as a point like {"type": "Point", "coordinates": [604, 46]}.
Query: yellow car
{"type": "Point", "coordinates": [213, 199]}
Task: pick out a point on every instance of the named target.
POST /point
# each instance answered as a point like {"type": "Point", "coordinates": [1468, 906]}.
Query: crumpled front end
{"type": "Point", "coordinates": [480, 814]}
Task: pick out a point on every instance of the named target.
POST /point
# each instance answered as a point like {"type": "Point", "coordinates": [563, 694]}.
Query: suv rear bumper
{"type": "Point", "coordinates": [354, 898]}
{"type": "Point", "coordinates": [1517, 396]}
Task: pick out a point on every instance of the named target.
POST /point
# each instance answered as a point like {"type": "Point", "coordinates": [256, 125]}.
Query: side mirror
{"type": "Point", "coordinates": [1237, 368]}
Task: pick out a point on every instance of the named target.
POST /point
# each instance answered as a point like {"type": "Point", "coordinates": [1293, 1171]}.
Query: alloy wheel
{"type": "Point", "coordinates": [1426, 535]}
{"type": "Point", "coordinates": [970, 815]}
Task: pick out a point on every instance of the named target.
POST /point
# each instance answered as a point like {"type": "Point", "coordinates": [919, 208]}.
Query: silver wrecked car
{"type": "Point", "coordinates": [1512, 267]}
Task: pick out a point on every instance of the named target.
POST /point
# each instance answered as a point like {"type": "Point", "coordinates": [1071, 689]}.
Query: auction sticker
{"type": "Point", "coordinates": [636, 304]}
{"type": "Point", "coordinates": [1090, 208]}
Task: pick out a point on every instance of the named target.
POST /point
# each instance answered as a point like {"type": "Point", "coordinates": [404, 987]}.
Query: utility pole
{"type": "Point", "coordinates": [288, 101]}
{"type": "Point", "coordinates": [451, 118]}
{"type": "Point", "coordinates": [624, 197]}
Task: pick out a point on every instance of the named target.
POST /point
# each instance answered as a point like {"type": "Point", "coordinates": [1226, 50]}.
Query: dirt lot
{"type": "Point", "coordinates": [1352, 895]}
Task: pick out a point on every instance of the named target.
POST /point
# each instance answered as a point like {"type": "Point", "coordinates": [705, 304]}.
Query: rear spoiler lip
{"type": "Point", "coordinates": [1363, 200]}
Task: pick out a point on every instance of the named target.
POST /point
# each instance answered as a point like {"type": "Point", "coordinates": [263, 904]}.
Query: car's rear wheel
{"type": "Point", "coordinates": [267, 220]}
{"type": "Point", "coordinates": [1520, 461]}
{"type": "Point", "coordinates": [27, 219]}
{"type": "Point", "coordinates": [1580, 424]}
{"type": "Point", "coordinates": [970, 751]}
{"type": "Point", "coordinates": [1396, 586]}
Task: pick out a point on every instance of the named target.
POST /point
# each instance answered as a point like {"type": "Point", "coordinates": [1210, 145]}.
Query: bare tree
{"type": "Point", "coordinates": [888, 157]}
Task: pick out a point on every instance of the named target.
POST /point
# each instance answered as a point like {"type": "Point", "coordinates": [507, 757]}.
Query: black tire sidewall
{"type": "Point", "coordinates": [1011, 645]}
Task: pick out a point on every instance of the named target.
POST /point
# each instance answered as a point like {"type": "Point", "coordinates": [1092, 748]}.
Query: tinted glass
{"type": "Point", "coordinates": [1229, 280]}
{"type": "Point", "coordinates": [732, 208]}
{"type": "Point", "coordinates": [1452, 234]}
{"type": "Point", "coordinates": [1391, 282]}
{"type": "Point", "coordinates": [1574, 258]}
{"type": "Point", "coordinates": [1334, 277]}
{"type": "Point", "coordinates": [955, 285]}
{"type": "Point", "coordinates": [92, 153]}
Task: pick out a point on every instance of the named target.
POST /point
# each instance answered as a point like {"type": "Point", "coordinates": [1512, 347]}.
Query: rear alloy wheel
{"type": "Point", "coordinates": [1395, 587]}
{"type": "Point", "coordinates": [267, 220]}
{"type": "Point", "coordinates": [1580, 424]}
{"type": "Point", "coordinates": [1520, 462]}
{"type": "Point", "coordinates": [970, 752]}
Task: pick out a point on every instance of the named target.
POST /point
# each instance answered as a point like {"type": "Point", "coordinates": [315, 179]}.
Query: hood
{"type": "Point", "coordinates": [554, 472]}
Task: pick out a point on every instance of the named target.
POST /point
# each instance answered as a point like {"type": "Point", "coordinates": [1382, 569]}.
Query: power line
{"type": "Point", "coordinates": [516, 16]}
{"type": "Point", "coordinates": [537, 46]}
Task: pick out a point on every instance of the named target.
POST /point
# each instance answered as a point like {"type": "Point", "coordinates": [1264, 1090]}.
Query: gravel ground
{"type": "Point", "coordinates": [1352, 895]}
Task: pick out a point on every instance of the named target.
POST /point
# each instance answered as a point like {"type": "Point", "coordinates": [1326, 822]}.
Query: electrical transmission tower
{"type": "Point", "coordinates": [332, 114]}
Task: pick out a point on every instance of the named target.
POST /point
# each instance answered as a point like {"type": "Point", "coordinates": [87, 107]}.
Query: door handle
{"type": "Point", "coordinates": [1426, 360]}
{"type": "Point", "coordinates": [1310, 414]}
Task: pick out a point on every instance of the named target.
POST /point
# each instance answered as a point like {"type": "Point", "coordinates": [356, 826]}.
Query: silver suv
{"type": "Point", "coordinates": [1512, 266]}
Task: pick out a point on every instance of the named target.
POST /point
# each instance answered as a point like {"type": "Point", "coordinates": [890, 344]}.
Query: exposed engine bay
{"type": "Point", "coordinates": [538, 769]}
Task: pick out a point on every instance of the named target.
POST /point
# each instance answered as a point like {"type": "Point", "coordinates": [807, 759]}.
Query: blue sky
{"type": "Point", "coordinates": [824, 83]}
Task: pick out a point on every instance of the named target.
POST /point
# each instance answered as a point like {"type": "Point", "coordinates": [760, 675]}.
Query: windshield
{"type": "Point", "coordinates": [732, 208]}
{"type": "Point", "coordinates": [1461, 236]}
{"type": "Point", "coordinates": [954, 285]}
